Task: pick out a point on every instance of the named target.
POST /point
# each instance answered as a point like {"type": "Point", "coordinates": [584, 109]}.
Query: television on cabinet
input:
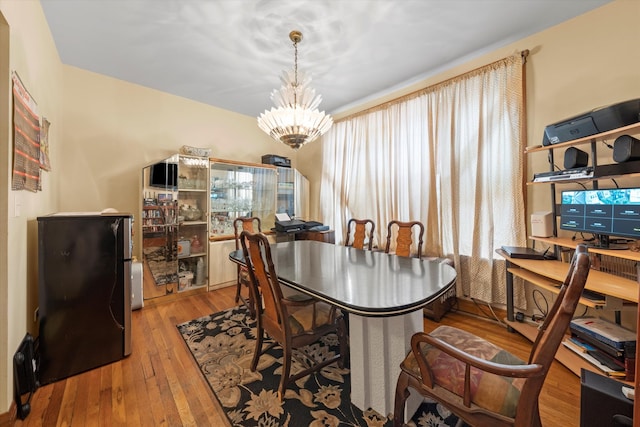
{"type": "Point", "coordinates": [604, 213]}
{"type": "Point", "coordinates": [163, 175]}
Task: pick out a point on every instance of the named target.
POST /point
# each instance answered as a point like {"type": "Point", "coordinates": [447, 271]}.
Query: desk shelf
{"type": "Point", "coordinates": [549, 275]}
{"type": "Point", "coordinates": [549, 271]}
{"type": "Point", "coordinates": [549, 285]}
{"type": "Point", "coordinates": [569, 359]}
{"type": "Point", "coordinates": [566, 242]}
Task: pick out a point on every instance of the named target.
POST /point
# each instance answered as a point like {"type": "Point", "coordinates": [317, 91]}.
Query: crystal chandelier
{"type": "Point", "coordinates": [295, 120]}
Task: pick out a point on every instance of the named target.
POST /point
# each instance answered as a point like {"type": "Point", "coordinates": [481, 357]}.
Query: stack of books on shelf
{"type": "Point", "coordinates": [606, 345]}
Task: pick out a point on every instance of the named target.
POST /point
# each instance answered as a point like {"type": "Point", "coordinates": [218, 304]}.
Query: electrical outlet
{"type": "Point", "coordinates": [36, 314]}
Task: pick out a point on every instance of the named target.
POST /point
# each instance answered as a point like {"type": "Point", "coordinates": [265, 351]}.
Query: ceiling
{"type": "Point", "coordinates": [231, 53]}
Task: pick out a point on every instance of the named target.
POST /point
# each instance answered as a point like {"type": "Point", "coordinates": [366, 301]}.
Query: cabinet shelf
{"type": "Point", "coordinates": [189, 223]}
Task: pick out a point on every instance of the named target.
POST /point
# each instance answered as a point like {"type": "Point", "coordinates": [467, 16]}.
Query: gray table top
{"type": "Point", "coordinates": [362, 282]}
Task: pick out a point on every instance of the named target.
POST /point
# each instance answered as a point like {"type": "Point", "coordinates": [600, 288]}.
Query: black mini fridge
{"type": "Point", "coordinates": [84, 292]}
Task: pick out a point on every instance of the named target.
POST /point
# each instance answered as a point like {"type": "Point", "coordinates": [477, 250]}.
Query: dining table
{"type": "Point", "coordinates": [384, 295]}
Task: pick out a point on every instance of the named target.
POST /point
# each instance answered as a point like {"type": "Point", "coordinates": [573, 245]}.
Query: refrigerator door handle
{"type": "Point", "coordinates": [128, 276]}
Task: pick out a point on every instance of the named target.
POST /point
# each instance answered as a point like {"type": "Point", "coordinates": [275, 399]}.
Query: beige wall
{"type": "Point", "coordinates": [104, 131]}
{"type": "Point", "coordinates": [33, 55]}
{"type": "Point", "coordinates": [114, 128]}
{"type": "Point", "coordinates": [587, 62]}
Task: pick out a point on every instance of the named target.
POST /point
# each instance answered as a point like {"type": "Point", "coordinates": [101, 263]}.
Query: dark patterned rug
{"type": "Point", "coordinates": [223, 344]}
{"type": "Point", "coordinates": [163, 270]}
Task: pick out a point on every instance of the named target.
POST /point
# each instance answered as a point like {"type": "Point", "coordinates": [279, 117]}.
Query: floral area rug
{"type": "Point", "coordinates": [223, 345]}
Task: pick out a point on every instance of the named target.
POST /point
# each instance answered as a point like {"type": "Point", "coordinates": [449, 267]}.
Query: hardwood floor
{"type": "Point", "coordinates": [159, 384]}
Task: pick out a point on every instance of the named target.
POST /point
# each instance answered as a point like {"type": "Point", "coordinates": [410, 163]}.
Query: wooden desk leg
{"type": "Point", "coordinates": [377, 346]}
{"type": "Point", "coordinates": [510, 316]}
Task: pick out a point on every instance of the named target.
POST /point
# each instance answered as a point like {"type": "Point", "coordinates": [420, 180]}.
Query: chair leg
{"type": "Point", "coordinates": [286, 370]}
{"type": "Point", "coordinates": [251, 302]}
{"type": "Point", "coordinates": [238, 286]}
{"type": "Point", "coordinates": [402, 393]}
{"type": "Point", "coordinates": [258, 351]}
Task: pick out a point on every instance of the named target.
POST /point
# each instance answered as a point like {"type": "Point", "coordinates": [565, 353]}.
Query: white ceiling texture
{"type": "Point", "coordinates": [231, 53]}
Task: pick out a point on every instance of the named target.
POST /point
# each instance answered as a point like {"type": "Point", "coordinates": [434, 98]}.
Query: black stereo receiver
{"type": "Point", "coordinates": [272, 159]}
{"type": "Point", "coordinates": [599, 120]}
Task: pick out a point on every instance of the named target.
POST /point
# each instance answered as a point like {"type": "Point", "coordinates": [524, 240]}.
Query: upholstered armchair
{"type": "Point", "coordinates": [480, 382]}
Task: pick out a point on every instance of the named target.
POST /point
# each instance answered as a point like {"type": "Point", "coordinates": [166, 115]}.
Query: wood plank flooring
{"type": "Point", "coordinates": [159, 384]}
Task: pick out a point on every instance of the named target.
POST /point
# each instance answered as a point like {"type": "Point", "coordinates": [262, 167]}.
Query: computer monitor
{"type": "Point", "coordinates": [603, 213]}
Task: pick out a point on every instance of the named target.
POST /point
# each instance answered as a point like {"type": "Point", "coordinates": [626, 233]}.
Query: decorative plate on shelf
{"type": "Point", "coordinates": [195, 151]}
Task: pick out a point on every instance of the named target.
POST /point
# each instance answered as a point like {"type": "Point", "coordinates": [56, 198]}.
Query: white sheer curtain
{"type": "Point", "coordinates": [449, 156]}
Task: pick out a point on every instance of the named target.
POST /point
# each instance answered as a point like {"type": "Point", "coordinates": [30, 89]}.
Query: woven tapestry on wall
{"type": "Point", "coordinates": [26, 139]}
{"type": "Point", "coordinates": [45, 163]}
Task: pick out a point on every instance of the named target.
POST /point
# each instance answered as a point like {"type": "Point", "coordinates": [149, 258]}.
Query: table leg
{"type": "Point", "coordinates": [377, 346]}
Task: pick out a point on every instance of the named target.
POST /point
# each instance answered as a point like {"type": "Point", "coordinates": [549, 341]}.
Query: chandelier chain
{"type": "Point", "coordinates": [295, 72]}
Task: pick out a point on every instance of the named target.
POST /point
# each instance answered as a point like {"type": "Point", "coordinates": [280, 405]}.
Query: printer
{"type": "Point", "coordinates": [284, 224]}
{"type": "Point", "coordinates": [290, 226]}
{"type": "Point", "coordinates": [593, 122]}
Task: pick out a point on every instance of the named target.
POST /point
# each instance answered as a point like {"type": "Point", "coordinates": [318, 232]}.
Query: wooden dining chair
{"type": "Point", "coordinates": [480, 382]}
{"type": "Point", "coordinates": [403, 232]}
{"type": "Point", "coordinates": [252, 225]}
{"type": "Point", "coordinates": [291, 323]}
{"type": "Point", "coordinates": [362, 233]}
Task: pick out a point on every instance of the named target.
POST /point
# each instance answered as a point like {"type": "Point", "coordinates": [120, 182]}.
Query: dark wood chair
{"type": "Point", "coordinates": [291, 323]}
{"type": "Point", "coordinates": [362, 233]}
{"type": "Point", "coordinates": [478, 381]}
{"type": "Point", "coordinates": [252, 225]}
{"type": "Point", "coordinates": [404, 237]}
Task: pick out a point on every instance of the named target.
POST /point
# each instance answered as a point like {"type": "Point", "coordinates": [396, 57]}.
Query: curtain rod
{"type": "Point", "coordinates": [523, 54]}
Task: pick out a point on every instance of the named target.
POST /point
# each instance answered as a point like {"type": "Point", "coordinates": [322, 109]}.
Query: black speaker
{"type": "Point", "coordinates": [574, 158]}
{"type": "Point", "coordinates": [626, 148]}
{"type": "Point", "coordinates": [25, 381]}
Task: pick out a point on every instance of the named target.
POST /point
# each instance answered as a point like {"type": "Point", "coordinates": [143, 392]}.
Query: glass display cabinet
{"type": "Point", "coordinates": [160, 228]}
{"type": "Point", "coordinates": [189, 204]}
{"type": "Point", "coordinates": [240, 190]}
{"type": "Point", "coordinates": [193, 214]}
{"type": "Point", "coordinates": [175, 219]}
{"type": "Point", "coordinates": [237, 190]}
